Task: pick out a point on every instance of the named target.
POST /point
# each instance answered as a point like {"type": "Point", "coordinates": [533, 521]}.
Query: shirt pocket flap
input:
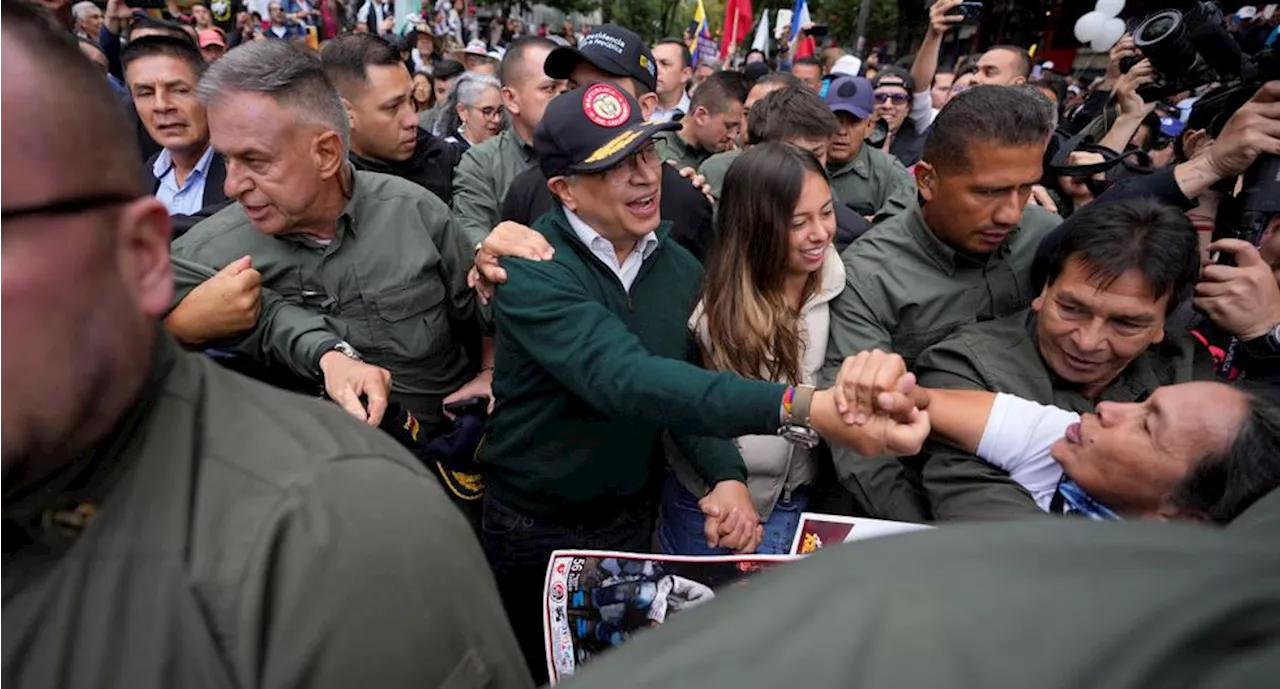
{"type": "Point", "coordinates": [401, 303]}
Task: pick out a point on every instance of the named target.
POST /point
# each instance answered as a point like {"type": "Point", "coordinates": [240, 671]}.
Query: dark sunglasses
{"type": "Point", "coordinates": [897, 98]}
{"type": "Point", "coordinates": [68, 206]}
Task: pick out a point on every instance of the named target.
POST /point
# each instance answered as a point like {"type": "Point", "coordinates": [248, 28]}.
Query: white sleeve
{"type": "Point", "coordinates": [1018, 438]}
{"type": "Point", "coordinates": [921, 110]}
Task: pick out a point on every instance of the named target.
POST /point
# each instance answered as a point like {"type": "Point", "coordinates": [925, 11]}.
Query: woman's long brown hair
{"type": "Point", "coordinates": [753, 330]}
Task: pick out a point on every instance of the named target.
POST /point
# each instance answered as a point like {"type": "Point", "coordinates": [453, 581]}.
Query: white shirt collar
{"type": "Point", "coordinates": [602, 249]}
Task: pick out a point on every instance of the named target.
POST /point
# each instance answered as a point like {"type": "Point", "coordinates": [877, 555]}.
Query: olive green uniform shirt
{"type": "Point", "coordinates": [1004, 356]}
{"type": "Point", "coordinates": [389, 282]}
{"type": "Point", "coordinates": [672, 147]}
{"type": "Point", "coordinates": [481, 181]}
{"type": "Point", "coordinates": [714, 169]}
{"type": "Point", "coordinates": [873, 179]}
{"type": "Point", "coordinates": [229, 534]}
{"type": "Point", "coordinates": [906, 290]}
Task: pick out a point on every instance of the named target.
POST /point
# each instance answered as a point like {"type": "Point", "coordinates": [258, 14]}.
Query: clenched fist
{"type": "Point", "coordinates": [226, 304]}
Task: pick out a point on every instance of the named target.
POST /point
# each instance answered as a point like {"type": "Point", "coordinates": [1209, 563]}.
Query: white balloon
{"type": "Point", "coordinates": [1089, 25]}
{"type": "Point", "coordinates": [1108, 35]}
{"type": "Point", "coordinates": [1109, 8]}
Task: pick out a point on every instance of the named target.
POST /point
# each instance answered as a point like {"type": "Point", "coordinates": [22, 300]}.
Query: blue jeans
{"type": "Point", "coordinates": [680, 528]}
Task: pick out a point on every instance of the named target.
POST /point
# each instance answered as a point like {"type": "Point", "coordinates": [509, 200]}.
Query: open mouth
{"type": "Point", "coordinates": [644, 206]}
{"type": "Point", "coordinates": [1078, 364]}
{"type": "Point", "coordinates": [1074, 434]}
{"type": "Point", "coordinates": [814, 255]}
{"type": "Point", "coordinates": [171, 128]}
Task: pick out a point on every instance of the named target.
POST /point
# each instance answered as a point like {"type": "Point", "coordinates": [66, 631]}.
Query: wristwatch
{"type": "Point", "coordinates": [1265, 347]}
{"type": "Point", "coordinates": [344, 348]}
{"type": "Point", "coordinates": [796, 426]}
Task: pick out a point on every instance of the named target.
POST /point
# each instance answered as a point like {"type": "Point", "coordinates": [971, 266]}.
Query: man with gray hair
{"type": "Point", "coordinates": [88, 19]}
{"type": "Point", "coordinates": [167, 523]}
{"type": "Point", "coordinates": [377, 256]}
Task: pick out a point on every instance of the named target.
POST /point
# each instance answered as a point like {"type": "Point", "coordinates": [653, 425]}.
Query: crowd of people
{"type": "Point", "coordinates": [320, 347]}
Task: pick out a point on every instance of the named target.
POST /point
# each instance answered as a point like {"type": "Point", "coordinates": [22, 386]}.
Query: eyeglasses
{"type": "Point", "coordinates": [895, 98]}
{"type": "Point", "coordinates": [69, 206]}
{"type": "Point", "coordinates": [489, 112]}
{"type": "Point", "coordinates": [646, 156]}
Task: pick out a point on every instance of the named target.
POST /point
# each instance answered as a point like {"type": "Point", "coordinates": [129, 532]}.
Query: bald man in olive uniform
{"type": "Point", "coordinates": [168, 523]}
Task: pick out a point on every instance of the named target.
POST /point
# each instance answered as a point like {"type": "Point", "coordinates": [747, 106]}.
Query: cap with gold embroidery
{"type": "Point", "coordinates": [591, 129]}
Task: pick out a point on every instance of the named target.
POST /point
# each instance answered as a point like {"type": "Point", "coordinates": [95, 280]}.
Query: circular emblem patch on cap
{"type": "Point", "coordinates": [606, 106]}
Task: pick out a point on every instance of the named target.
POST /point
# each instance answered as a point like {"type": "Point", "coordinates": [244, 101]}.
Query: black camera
{"type": "Point", "coordinates": [1188, 47]}
{"type": "Point", "coordinates": [971, 11]}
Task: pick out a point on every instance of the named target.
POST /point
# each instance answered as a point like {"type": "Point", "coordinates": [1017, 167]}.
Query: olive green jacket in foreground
{"type": "Point", "coordinates": [714, 169]}
{"type": "Point", "coordinates": [905, 291]}
{"type": "Point", "coordinates": [1051, 604]}
{"type": "Point", "coordinates": [481, 181]}
{"type": "Point", "coordinates": [672, 147]}
{"type": "Point", "coordinates": [874, 180]}
{"type": "Point", "coordinates": [1004, 356]}
{"type": "Point", "coordinates": [389, 283]}
{"type": "Point", "coordinates": [247, 537]}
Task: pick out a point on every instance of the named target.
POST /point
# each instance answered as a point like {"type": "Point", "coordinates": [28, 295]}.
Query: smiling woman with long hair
{"type": "Point", "coordinates": [763, 315]}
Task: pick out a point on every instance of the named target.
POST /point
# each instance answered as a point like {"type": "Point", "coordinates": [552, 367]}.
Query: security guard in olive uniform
{"type": "Point", "coordinates": [377, 255]}
{"type": "Point", "coordinates": [964, 256]}
{"type": "Point", "coordinates": [482, 178]}
{"type": "Point", "coordinates": [866, 179]}
{"type": "Point", "coordinates": [167, 523]}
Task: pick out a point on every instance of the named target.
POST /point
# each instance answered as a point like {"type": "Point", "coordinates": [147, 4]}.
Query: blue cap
{"type": "Point", "coordinates": [1171, 126]}
{"type": "Point", "coordinates": [849, 94]}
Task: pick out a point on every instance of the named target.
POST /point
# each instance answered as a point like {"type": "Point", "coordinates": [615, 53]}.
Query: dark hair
{"type": "Point", "coordinates": [1111, 239]}
{"type": "Point", "coordinates": [145, 21]}
{"type": "Point", "coordinates": [753, 330]}
{"type": "Point", "coordinates": [790, 113]}
{"type": "Point", "coordinates": [968, 69]}
{"type": "Point", "coordinates": [942, 70]}
{"type": "Point", "coordinates": [155, 46]}
{"type": "Point", "coordinates": [1221, 486]}
{"type": "Point", "coordinates": [810, 61]}
{"type": "Point", "coordinates": [719, 91]}
{"type": "Point", "coordinates": [346, 59]}
{"type": "Point", "coordinates": [431, 89]}
{"type": "Point", "coordinates": [895, 74]}
{"type": "Point", "coordinates": [448, 69]}
{"type": "Point", "coordinates": [1024, 58]}
{"type": "Point", "coordinates": [513, 60]}
{"type": "Point", "coordinates": [784, 78]}
{"type": "Point", "coordinates": [1000, 115]}
{"type": "Point", "coordinates": [1054, 82]}
{"type": "Point", "coordinates": [684, 49]}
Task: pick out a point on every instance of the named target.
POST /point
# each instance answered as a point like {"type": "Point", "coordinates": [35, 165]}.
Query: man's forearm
{"type": "Point", "coordinates": [1121, 132]}
{"type": "Point", "coordinates": [1195, 176]}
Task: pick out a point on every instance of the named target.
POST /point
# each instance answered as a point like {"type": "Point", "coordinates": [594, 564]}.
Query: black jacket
{"type": "Point", "coordinates": [215, 199]}
{"type": "Point", "coordinates": [687, 209]}
{"type": "Point", "coordinates": [430, 166]}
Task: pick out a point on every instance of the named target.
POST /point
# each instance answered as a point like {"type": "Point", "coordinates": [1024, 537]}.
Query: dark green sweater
{"type": "Point", "coordinates": [587, 375]}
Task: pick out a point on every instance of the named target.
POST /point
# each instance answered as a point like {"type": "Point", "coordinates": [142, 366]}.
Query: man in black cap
{"type": "Point", "coordinates": [616, 55]}
{"type": "Point", "coordinates": [594, 362]}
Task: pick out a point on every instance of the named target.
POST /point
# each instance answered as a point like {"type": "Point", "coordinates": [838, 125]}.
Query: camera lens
{"type": "Point", "coordinates": [1158, 27]}
{"type": "Point", "coordinates": [1162, 38]}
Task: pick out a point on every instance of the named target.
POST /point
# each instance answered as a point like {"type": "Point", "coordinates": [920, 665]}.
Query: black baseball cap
{"type": "Point", "coordinates": [610, 49]}
{"type": "Point", "coordinates": [591, 129]}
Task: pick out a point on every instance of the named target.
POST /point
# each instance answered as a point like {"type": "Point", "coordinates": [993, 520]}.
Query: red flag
{"type": "Point", "coordinates": [737, 26]}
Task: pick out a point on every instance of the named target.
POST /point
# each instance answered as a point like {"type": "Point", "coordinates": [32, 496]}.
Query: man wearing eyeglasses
{"type": "Point", "coordinates": [595, 362]}
{"type": "Point", "coordinates": [899, 135]}
{"type": "Point", "coordinates": [167, 523]}
{"type": "Point", "coordinates": [863, 177]}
